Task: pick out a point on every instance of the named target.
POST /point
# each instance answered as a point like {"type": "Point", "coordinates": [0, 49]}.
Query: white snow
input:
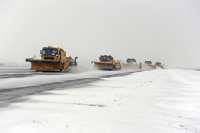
{"type": "Point", "coordinates": [158, 101]}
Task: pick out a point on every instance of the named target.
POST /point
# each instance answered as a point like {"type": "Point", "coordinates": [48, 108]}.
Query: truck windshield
{"type": "Point", "coordinates": [49, 52]}
{"type": "Point", "coordinates": [147, 62]}
{"type": "Point", "coordinates": [105, 58]}
{"type": "Point", "coordinates": [130, 60]}
{"type": "Point", "coordinates": [158, 63]}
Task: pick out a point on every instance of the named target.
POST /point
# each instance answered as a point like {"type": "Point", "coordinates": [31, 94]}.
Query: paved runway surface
{"type": "Point", "coordinates": [16, 94]}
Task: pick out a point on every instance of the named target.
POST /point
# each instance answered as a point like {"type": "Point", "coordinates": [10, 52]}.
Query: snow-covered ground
{"type": "Point", "coordinates": [157, 101]}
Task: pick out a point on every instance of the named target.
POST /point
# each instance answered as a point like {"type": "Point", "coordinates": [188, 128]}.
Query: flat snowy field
{"type": "Point", "coordinates": [156, 101]}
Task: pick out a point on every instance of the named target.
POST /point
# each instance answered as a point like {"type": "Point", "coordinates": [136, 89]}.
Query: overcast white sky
{"type": "Point", "coordinates": [159, 30]}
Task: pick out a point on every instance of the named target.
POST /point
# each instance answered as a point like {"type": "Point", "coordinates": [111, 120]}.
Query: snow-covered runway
{"type": "Point", "coordinates": [157, 101]}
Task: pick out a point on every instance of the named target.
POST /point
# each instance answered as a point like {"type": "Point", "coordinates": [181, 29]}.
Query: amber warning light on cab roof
{"type": "Point", "coordinates": [51, 47]}
{"type": "Point", "coordinates": [105, 55]}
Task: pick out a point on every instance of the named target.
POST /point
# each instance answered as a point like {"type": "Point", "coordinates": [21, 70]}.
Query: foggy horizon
{"type": "Point", "coordinates": [160, 31]}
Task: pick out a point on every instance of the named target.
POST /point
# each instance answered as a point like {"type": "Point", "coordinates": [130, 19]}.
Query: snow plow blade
{"type": "Point", "coordinates": [103, 66]}
{"type": "Point", "coordinates": [48, 65]}
{"type": "Point", "coordinates": [42, 61]}
{"type": "Point", "coordinates": [100, 63]}
{"type": "Point", "coordinates": [134, 66]}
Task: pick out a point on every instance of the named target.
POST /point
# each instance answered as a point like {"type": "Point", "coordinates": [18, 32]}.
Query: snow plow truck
{"type": "Point", "coordinates": [131, 63]}
{"type": "Point", "coordinates": [107, 62]}
{"type": "Point", "coordinates": [52, 59]}
{"type": "Point", "coordinates": [158, 64]}
{"type": "Point", "coordinates": [148, 64]}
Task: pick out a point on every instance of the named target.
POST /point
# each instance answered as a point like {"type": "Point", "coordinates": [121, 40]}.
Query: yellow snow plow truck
{"type": "Point", "coordinates": [107, 62]}
{"type": "Point", "coordinates": [53, 59]}
{"type": "Point", "coordinates": [158, 64]}
{"type": "Point", "coordinates": [148, 64]}
{"type": "Point", "coordinates": [131, 63]}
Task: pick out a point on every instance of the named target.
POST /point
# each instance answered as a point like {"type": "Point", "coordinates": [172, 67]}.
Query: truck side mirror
{"type": "Point", "coordinates": [40, 51]}
{"type": "Point", "coordinates": [99, 58]}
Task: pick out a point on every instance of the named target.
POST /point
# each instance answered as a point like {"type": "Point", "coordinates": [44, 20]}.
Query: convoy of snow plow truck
{"type": "Point", "coordinates": [54, 58]}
